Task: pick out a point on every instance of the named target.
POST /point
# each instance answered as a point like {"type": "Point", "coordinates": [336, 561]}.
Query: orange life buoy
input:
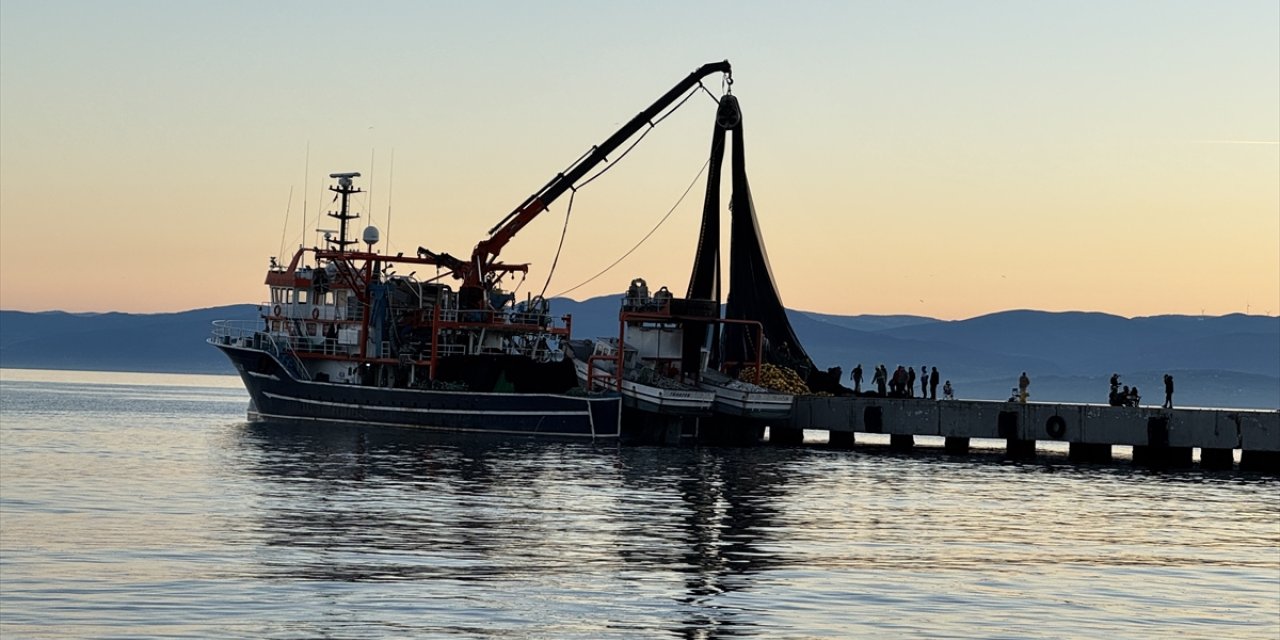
{"type": "Point", "coordinates": [276, 311]}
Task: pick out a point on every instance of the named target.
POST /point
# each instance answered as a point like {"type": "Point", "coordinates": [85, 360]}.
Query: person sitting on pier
{"type": "Point", "coordinates": [947, 393]}
{"type": "Point", "coordinates": [1113, 398]}
{"type": "Point", "coordinates": [1133, 398]}
{"type": "Point", "coordinates": [1121, 397]}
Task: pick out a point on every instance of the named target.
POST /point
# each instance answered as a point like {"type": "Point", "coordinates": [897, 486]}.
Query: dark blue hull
{"type": "Point", "coordinates": [279, 397]}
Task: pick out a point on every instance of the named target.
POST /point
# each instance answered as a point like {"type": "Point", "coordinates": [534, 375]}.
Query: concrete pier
{"type": "Point", "coordinates": [957, 445]}
{"type": "Point", "coordinates": [1163, 438]}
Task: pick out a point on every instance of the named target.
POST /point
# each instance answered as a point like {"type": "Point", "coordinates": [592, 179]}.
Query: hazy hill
{"type": "Point", "coordinates": [869, 322]}
{"type": "Point", "coordinates": [1230, 360]}
{"type": "Point", "coordinates": [116, 341]}
{"type": "Point", "coordinates": [1083, 343]}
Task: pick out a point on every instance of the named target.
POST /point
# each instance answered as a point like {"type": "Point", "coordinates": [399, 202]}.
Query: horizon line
{"type": "Point", "coordinates": [804, 311]}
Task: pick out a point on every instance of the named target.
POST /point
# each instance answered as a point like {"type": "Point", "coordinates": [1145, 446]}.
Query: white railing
{"type": "Point", "coordinates": [238, 333]}
{"type": "Point", "coordinates": [246, 334]}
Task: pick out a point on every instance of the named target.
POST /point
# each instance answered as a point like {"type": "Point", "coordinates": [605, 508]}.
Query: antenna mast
{"type": "Point", "coordinates": [306, 171]}
{"type": "Point", "coordinates": [344, 215]}
{"type": "Point", "coordinates": [391, 181]}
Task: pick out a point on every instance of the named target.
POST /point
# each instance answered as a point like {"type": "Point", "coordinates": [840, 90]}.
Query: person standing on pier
{"type": "Point", "coordinates": [1168, 391]}
{"type": "Point", "coordinates": [1023, 383]}
{"type": "Point", "coordinates": [911, 383]}
{"type": "Point", "coordinates": [933, 384]}
{"type": "Point", "coordinates": [924, 381]}
{"type": "Point", "coordinates": [881, 377]}
{"type": "Point", "coordinates": [857, 378]}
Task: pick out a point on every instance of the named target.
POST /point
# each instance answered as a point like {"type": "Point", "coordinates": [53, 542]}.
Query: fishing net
{"type": "Point", "coordinates": [753, 294]}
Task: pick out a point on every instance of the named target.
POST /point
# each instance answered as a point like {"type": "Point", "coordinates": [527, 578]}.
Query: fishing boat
{"type": "Point", "coordinates": [345, 338]}
{"type": "Point", "coordinates": [743, 399]}
{"type": "Point", "coordinates": [643, 386]}
{"type": "Point", "coordinates": [664, 360]}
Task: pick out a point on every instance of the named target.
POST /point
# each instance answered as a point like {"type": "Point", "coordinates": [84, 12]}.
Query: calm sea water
{"type": "Point", "coordinates": [136, 505]}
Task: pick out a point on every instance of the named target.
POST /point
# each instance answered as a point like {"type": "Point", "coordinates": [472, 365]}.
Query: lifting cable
{"type": "Point", "coordinates": [652, 125]}
{"type": "Point", "coordinates": [646, 236]}
{"type": "Point", "coordinates": [574, 192]}
{"type": "Point", "coordinates": [563, 231]}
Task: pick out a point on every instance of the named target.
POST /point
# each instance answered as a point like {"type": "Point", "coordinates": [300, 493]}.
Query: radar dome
{"type": "Point", "coordinates": [371, 235]}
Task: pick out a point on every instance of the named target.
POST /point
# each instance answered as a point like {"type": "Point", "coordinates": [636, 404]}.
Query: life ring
{"type": "Point", "coordinates": [315, 314]}
{"type": "Point", "coordinates": [1055, 427]}
{"type": "Point", "coordinates": [276, 311]}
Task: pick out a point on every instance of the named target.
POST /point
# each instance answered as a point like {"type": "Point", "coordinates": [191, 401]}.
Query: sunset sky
{"type": "Point", "coordinates": [947, 159]}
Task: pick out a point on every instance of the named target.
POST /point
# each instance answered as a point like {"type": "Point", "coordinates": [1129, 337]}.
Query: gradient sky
{"type": "Point", "coordinates": [938, 158]}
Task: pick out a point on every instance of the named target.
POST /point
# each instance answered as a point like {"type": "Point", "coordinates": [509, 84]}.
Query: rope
{"type": "Point", "coordinates": [652, 125]}
{"type": "Point", "coordinates": [564, 231]}
{"type": "Point", "coordinates": [704, 88]}
{"type": "Point", "coordinates": [646, 236]}
{"type": "Point", "coordinates": [615, 162]}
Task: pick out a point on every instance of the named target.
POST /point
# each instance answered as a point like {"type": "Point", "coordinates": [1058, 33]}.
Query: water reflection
{"type": "Point", "coordinates": [719, 535]}
{"type": "Point", "coordinates": [356, 504]}
{"type": "Point", "coordinates": [121, 518]}
{"type": "Point", "coordinates": [705, 542]}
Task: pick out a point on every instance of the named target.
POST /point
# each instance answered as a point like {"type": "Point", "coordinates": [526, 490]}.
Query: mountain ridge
{"type": "Point", "coordinates": [1217, 360]}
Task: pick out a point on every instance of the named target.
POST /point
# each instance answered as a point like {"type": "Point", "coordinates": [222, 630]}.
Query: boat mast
{"type": "Point", "coordinates": [344, 190]}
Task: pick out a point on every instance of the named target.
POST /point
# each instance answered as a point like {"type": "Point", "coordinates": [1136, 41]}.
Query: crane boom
{"type": "Point", "coordinates": [488, 249]}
